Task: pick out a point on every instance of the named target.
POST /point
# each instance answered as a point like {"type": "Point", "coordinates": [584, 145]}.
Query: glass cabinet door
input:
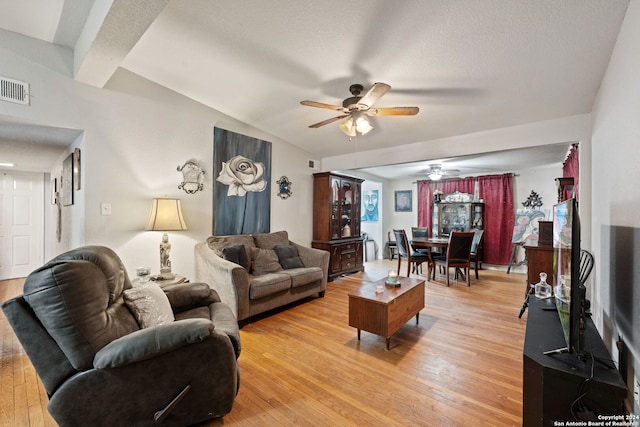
{"type": "Point", "coordinates": [450, 216]}
{"type": "Point", "coordinates": [355, 211]}
{"type": "Point", "coordinates": [336, 229]}
{"type": "Point", "coordinates": [435, 220]}
{"type": "Point", "coordinates": [346, 193]}
{"type": "Point", "coordinates": [476, 222]}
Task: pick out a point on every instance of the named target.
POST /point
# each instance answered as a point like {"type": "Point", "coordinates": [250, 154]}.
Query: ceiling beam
{"type": "Point", "coordinates": [112, 29]}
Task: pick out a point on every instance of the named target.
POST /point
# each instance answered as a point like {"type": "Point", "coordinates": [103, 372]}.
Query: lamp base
{"type": "Point", "coordinates": [166, 274]}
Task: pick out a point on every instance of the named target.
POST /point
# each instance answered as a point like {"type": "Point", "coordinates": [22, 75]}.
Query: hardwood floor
{"type": "Point", "coordinates": [461, 366]}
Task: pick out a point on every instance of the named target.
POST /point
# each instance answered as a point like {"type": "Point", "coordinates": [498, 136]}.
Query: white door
{"type": "Point", "coordinates": [21, 223]}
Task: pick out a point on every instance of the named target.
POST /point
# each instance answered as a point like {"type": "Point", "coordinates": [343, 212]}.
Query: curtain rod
{"type": "Point", "coordinates": [479, 176]}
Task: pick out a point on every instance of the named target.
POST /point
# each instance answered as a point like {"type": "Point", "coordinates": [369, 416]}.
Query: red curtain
{"type": "Point", "coordinates": [497, 193]}
{"type": "Point", "coordinates": [571, 169]}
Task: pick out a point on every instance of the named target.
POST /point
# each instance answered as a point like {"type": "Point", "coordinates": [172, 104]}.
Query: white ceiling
{"type": "Point", "coordinates": [469, 65]}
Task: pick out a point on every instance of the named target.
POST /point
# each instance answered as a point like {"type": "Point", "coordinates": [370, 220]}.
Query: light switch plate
{"type": "Point", "coordinates": [105, 208]}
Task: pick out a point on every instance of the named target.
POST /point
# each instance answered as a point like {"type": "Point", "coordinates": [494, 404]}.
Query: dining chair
{"type": "Point", "coordinates": [392, 246]}
{"type": "Point", "coordinates": [458, 255]}
{"type": "Point", "coordinates": [475, 250]}
{"type": "Point", "coordinates": [413, 258]}
{"type": "Point", "coordinates": [586, 265]}
{"type": "Point", "coordinates": [421, 232]}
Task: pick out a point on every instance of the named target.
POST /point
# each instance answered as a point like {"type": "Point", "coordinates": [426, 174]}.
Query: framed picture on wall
{"type": "Point", "coordinates": [66, 186]}
{"type": "Point", "coordinates": [242, 188]}
{"type": "Point", "coordinates": [403, 201]}
{"type": "Point", "coordinates": [54, 191]}
{"type": "Point", "coordinates": [76, 169]}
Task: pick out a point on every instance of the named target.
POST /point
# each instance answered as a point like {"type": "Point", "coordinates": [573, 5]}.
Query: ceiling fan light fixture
{"type": "Point", "coordinates": [435, 176]}
{"type": "Point", "coordinates": [347, 127]}
{"type": "Point", "coordinates": [363, 126]}
{"type": "Point", "coordinates": [355, 123]}
{"type": "Point", "coordinates": [357, 107]}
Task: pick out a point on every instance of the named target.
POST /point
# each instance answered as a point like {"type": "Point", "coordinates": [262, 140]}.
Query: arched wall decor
{"type": "Point", "coordinates": [284, 187]}
{"type": "Point", "coordinates": [193, 177]}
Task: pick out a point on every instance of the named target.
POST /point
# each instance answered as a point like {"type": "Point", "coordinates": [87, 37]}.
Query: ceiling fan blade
{"type": "Point", "coordinates": [374, 94]}
{"type": "Point", "coordinates": [393, 111]}
{"type": "Point", "coordinates": [322, 105]}
{"type": "Point", "coordinates": [326, 122]}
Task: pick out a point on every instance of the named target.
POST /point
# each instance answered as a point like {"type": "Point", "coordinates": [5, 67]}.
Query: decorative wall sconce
{"type": "Point", "coordinates": [284, 187]}
{"type": "Point", "coordinates": [533, 201]}
{"type": "Point", "coordinates": [193, 177]}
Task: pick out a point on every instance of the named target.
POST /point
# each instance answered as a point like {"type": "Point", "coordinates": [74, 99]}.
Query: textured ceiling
{"type": "Point", "coordinates": [469, 65]}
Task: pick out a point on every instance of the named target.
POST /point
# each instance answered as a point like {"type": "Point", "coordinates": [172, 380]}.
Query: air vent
{"type": "Point", "coordinates": [14, 91]}
{"type": "Point", "coordinates": [313, 164]}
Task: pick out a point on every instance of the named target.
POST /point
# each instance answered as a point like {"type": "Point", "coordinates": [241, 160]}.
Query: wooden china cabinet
{"type": "Point", "coordinates": [336, 221]}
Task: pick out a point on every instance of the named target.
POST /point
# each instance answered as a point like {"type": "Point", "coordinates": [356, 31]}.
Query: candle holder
{"type": "Point", "coordinates": [392, 279]}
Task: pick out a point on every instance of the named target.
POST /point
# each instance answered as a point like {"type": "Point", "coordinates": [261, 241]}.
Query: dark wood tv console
{"type": "Point", "coordinates": [551, 383]}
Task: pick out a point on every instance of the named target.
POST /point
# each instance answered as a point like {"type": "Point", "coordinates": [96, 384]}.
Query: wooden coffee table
{"type": "Point", "coordinates": [384, 313]}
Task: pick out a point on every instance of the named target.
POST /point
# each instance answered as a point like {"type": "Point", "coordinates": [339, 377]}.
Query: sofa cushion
{"type": "Point", "coordinates": [268, 284]}
{"type": "Point", "coordinates": [237, 254]}
{"type": "Point", "coordinates": [269, 240]}
{"type": "Point", "coordinates": [304, 276]}
{"type": "Point", "coordinates": [288, 256]}
{"type": "Point", "coordinates": [149, 305]}
{"type": "Point", "coordinates": [218, 243]}
{"type": "Point", "coordinates": [264, 261]}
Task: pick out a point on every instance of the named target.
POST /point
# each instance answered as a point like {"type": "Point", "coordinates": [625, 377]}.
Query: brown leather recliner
{"type": "Point", "coordinates": [100, 368]}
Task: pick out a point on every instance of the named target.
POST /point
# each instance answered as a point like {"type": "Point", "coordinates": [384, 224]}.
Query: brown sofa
{"type": "Point", "coordinates": [259, 272]}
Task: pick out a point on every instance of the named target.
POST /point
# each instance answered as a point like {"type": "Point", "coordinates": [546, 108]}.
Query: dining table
{"type": "Point", "coordinates": [430, 242]}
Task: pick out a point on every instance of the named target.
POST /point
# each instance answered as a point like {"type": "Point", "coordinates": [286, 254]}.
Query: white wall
{"type": "Point", "coordinates": [616, 201]}
{"type": "Point", "coordinates": [400, 220]}
{"type": "Point", "coordinates": [131, 147]}
{"type": "Point", "coordinates": [542, 181]}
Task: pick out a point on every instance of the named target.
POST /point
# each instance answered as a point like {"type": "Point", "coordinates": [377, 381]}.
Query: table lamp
{"type": "Point", "coordinates": [166, 215]}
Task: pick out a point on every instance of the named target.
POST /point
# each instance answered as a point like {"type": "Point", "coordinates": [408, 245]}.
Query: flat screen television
{"type": "Point", "coordinates": [569, 293]}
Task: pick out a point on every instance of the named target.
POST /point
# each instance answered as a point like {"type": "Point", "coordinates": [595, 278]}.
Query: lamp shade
{"type": "Point", "coordinates": [166, 215]}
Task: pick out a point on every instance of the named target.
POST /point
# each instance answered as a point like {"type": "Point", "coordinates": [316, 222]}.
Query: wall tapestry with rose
{"type": "Point", "coordinates": [242, 186]}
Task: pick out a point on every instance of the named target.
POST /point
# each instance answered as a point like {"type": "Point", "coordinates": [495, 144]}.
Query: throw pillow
{"type": "Point", "coordinates": [217, 243]}
{"type": "Point", "coordinates": [264, 261]}
{"type": "Point", "coordinates": [149, 305]}
{"type": "Point", "coordinates": [288, 257]}
{"type": "Point", "coordinates": [269, 240]}
{"type": "Point", "coordinates": [236, 254]}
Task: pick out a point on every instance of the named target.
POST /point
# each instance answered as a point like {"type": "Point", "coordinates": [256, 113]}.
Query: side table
{"type": "Point", "coordinates": [163, 282]}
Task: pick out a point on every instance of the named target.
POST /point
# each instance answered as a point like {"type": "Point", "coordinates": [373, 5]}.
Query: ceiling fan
{"type": "Point", "coordinates": [357, 107]}
{"type": "Point", "coordinates": [435, 172]}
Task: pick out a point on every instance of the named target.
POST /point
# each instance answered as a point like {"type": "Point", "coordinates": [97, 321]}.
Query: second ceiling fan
{"type": "Point", "coordinates": [436, 172]}
{"type": "Point", "coordinates": [356, 109]}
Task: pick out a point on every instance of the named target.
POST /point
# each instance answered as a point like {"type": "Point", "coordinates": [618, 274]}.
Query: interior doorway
{"type": "Point", "coordinates": [21, 223]}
